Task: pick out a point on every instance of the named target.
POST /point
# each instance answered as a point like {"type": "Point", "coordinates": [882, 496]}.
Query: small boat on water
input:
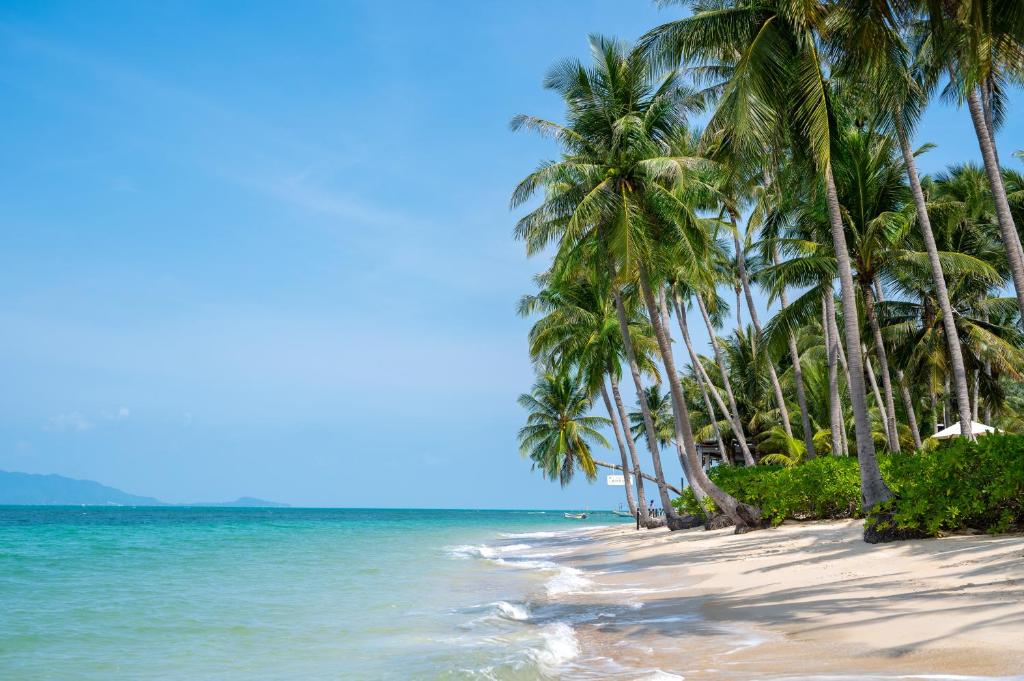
{"type": "Point", "coordinates": [623, 514]}
{"type": "Point", "coordinates": [576, 516]}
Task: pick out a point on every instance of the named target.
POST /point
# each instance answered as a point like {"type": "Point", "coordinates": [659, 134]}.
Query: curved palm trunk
{"type": "Point", "coordinates": [734, 412]}
{"type": "Point", "coordinates": [630, 502]}
{"type": "Point", "coordinates": [702, 379]}
{"type": "Point", "coordinates": [889, 412]}
{"type": "Point", "coordinates": [956, 357]}
{"type": "Point", "coordinates": [873, 488]}
{"type": "Point", "coordinates": [745, 516]}
{"type": "Point", "coordinates": [798, 374]}
{"type": "Point", "coordinates": [617, 467]}
{"type": "Point", "coordinates": [780, 400]}
{"type": "Point", "coordinates": [835, 409]}
{"type": "Point", "coordinates": [995, 181]}
{"type": "Point", "coordinates": [634, 370]}
{"type": "Point", "coordinates": [641, 495]}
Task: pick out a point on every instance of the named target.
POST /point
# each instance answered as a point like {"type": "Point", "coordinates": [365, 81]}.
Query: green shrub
{"type": "Point", "coordinates": [825, 487]}
{"type": "Point", "coordinates": [955, 486]}
{"type": "Point", "coordinates": [959, 485]}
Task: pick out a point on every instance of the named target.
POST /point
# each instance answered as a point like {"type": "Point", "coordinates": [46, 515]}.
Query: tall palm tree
{"type": "Point", "coordinates": [776, 89]}
{"type": "Point", "coordinates": [869, 48]}
{"type": "Point", "coordinates": [974, 42]}
{"type": "Point", "coordinates": [558, 433]}
{"type": "Point", "coordinates": [609, 203]}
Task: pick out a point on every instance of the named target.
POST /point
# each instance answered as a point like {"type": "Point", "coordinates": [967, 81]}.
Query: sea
{"type": "Point", "coordinates": [285, 593]}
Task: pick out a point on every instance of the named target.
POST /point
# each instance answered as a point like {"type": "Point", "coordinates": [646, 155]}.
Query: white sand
{"type": "Point", "coordinates": [803, 599]}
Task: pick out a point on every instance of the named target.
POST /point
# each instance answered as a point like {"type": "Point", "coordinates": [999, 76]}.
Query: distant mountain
{"type": "Point", "coordinates": [245, 502]}
{"type": "Point", "coordinates": [28, 488]}
{"type": "Point", "coordinates": [17, 489]}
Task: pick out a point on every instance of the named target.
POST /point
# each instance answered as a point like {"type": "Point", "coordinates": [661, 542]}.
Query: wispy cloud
{"type": "Point", "coordinates": [71, 420]}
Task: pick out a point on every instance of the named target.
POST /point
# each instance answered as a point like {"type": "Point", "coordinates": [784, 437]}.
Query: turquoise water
{"type": "Point", "coordinates": [174, 593]}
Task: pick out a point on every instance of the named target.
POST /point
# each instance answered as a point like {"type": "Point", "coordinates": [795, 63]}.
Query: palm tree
{"type": "Point", "coordinates": [579, 327]}
{"type": "Point", "coordinates": [973, 43]}
{"type": "Point", "coordinates": [558, 433]}
{"type": "Point", "coordinates": [659, 405]}
{"type": "Point", "coordinates": [866, 35]}
{"type": "Point", "coordinates": [776, 90]}
{"type": "Point", "coordinates": [609, 203]}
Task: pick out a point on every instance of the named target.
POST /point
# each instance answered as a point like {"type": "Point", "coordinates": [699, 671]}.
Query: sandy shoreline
{"type": "Point", "coordinates": [804, 599]}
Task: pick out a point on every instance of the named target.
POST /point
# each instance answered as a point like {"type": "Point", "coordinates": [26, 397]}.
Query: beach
{"type": "Point", "coordinates": [799, 601]}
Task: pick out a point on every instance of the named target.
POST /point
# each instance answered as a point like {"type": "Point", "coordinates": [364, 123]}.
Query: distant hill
{"type": "Point", "coordinates": [245, 502]}
{"type": "Point", "coordinates": [29, 489]}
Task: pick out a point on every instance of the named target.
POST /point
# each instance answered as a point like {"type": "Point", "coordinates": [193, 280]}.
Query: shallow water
{"type": "Point", "coordinates": [169, 593]}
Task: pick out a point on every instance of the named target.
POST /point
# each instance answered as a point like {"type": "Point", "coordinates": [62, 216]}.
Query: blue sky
{"type": "Point", "coordinates": [265, 249]}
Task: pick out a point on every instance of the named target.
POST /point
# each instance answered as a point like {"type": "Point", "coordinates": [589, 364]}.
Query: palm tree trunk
{"type": "Point", "coordinates": [798, 374]}
{"type": "Point", "coordinates": [741, 264]}
{"type": "Point", "coordinates": [873, 488]}
{"type": "Point", "coordinates": [641, 495]}
{"type": "Point", "coordinates": [630, 502]}
{"type": "Point", "coordinates": [831, 305]}
{"type": "Point", "coordinates": [737, 425]}
{"type": "Point", "coordinates": [835, 409]}
{"type": "Point", "coordinates": [634, 370]}
{"type": "Point", "coordinates": [995, 180]}
{"type": "Point", "coordinates": [956, 357]}
{"type": "Point", "coordinates": [908, 404]}
{"type": "Point", "coordinates": [889, 413]}
{"type": "Point", "coordinates": [869, 371]}
{"type": "Point", "coordinates": [977, 386]}
{"type": "Point", "coordinates": [702, 379]}
{"type": "Point", "coordinates": [933, 400]}
{"type": "Point", "coordinates": [745, 516]}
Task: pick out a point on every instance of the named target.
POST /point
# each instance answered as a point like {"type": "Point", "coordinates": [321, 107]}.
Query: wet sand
{"type": "Point", "coordinates": [801, 600]}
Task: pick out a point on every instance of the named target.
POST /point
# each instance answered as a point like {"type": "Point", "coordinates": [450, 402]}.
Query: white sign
{"type": "Point", "coordinates": [618, 480]}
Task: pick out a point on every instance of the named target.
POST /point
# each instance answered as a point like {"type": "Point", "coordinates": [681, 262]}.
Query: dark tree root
{"type": "Point", "coordinates": [718, 521]}
{"type": "Point", "coordinates": [684, 522]}
{"type": "Point", "coordinates": [751, 519]}
{"type": "Point", "coordinates": [653, 523]}
{"type": "Point", "coordinates": [880, 528]}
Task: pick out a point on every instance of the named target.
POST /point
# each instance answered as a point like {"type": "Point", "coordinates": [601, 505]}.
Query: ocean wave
{"type": "Point", "coordinates": [567, 581]}
{"type": "Point", "coordinates": [560, 646]}
{"type": "Point", "coordinates": [512, 611]}
{"type": "Point", "coordinates": [485, 551]}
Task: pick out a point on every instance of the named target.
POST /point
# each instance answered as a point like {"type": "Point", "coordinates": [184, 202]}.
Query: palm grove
{"type": "Point", "coordinates": [892, 289]}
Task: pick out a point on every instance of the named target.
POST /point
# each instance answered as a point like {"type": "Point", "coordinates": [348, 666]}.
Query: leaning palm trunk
{"type": "Point", "coordinates": [956, 356]}
{"type": "Point", "coordinates": [889, 412]}
{"type": "Point", "coordinates": [798, 374]}
{"type": "Point", "coordinates": [702, 378]}
{"type": "Point", "coordinates": [995, 180]}
{"type": "Point", "coordinates": [745, 517]}
{"type": "Point", "coordinates": [733, 413]}
{"type": "Point", "coordinates": [645, 476]}
{"type": "Point", "coordinates": [835, 409]}
{"type": "Point", "coordinates": [634, 370]}
{"type": "Point", "coordinates": [873, 488]}
{"type": "Point", "coordinates": [630, 503]}
{"type": "Point", "coordinates": [641, 496]}
{"type": "Point", "coordinates": [780, 400]}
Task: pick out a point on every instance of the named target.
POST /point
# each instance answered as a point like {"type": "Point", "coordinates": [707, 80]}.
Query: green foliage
{"type": "Point", "coordinates": [960, 485]}
{"type": "Point", "coordinates": [825, 487]}
{"type": "Point", "coordinates": [955, 486]}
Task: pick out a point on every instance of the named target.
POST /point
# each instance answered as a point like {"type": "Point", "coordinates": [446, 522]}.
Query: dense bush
{"type": "Point", "coordinates": [956, 486]}
{"type": "Point", "coordinates": [825, 487]}
{"type": "Point", "coordinates": [960, 485]}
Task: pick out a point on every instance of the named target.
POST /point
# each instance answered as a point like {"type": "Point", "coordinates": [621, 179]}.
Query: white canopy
{"type": "Point", "coordinates": [954, 430]}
